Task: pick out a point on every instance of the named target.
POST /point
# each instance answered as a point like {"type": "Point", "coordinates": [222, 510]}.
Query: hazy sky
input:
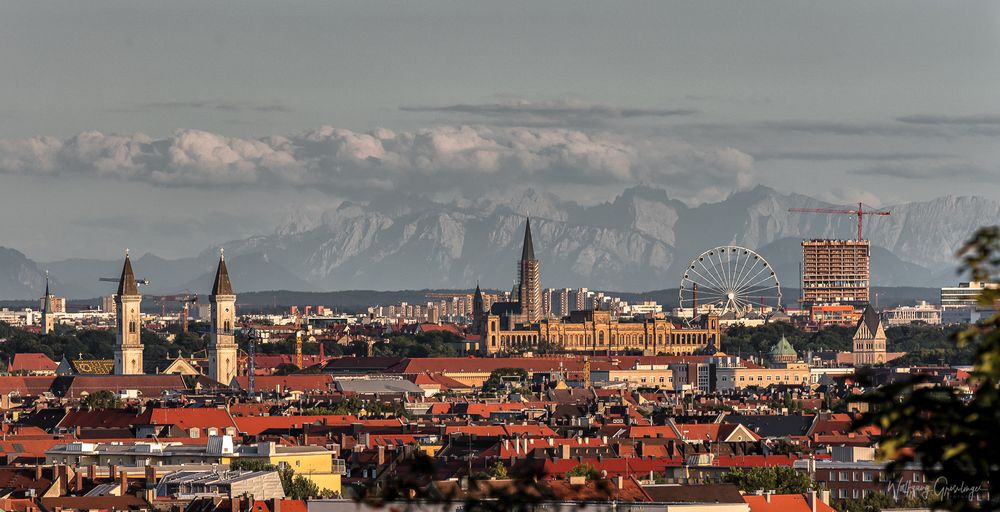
{"type": "Point", "coordinates": [172, 126]}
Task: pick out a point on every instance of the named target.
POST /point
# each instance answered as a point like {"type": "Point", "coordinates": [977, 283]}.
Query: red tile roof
{"type": "Point", "coordinates": [502, 430]}
{"type": "Point", "coordinates": [25, 385]}
{"type": "Point", "coordinates": [100, 418]}
{"type": "Point", "coordinates": [254, 425]}
{"type": "Point", "coordinates": [190, 418]}
{"type": "Point", "coordinates": [784, 503]}
{"type": "Point", "coordinates": [32, 362]}
{"type": "Point", "coordinates": [298, 382]}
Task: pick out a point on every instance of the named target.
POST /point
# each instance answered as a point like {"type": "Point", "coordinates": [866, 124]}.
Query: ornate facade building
{"type": "Point", "coordinates": [128, 343]}
{"type": "Point", "coordinates": [511, 327]}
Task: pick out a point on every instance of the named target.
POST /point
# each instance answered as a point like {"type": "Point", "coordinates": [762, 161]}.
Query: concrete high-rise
{"type": "Point", "coordinates": [128, 343]}
{"type": "Point", "coordinates": [836, 271]}
{"type": "Point", "coordinates": [222, 350]}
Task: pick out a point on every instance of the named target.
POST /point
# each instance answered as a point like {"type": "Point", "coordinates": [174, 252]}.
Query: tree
{"type": "Point", "coordinates": [585, 470]}
{"type": "Point", "coordinates": [102, 399]}
{"type": "Point", "coordinates": [498, 471]}
{"type": "Point", "coordinates": [285, 369]}
{"type": "Point", "coordinates": [950, 435]}
{"type": "Point", "coordinates": [499, 377]}
{"type": "Point", "coordinates": [777, 479]}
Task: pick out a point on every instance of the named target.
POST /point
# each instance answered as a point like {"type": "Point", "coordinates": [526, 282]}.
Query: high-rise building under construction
{"type": "Point", "coordinates": [836, 271]}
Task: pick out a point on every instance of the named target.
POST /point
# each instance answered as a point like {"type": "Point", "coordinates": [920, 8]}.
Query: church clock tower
{"type": "Point", "coordinates": [222, 354]}
{"type": "Point", "coordinates": [128, 343]}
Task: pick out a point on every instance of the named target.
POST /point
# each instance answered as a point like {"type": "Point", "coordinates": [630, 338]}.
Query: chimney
{"type": "Point", "coordinates": [38, 472]}
{"type": "Point", "coordinates": [276, 505]}
{"type": "Point", "coordinates": [150, 477]}
{"type": "Point", "coordinates": [620, 482]}
{"type": "Point", "coordinates": [77, 481]}
{"type": "Point", "coordinates": [381, 455]}
{"type": "Point", "coordinates": [564, 451]}
{"type": "Point", "coordinates": [811, 500]}
{"type": "Point", "coordinates": [123, 482]}
{"type": "Point", "coordinates": [92, 472]}
{"type": "Point", "coordinates": [767, 496]}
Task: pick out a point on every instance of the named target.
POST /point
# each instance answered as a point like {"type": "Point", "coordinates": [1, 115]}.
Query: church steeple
{"type": "Point", "coordinates": [528, 249]}
{"type": "Point", "coordinates": [47, 318]}
{"type": "Point", "coordinates": [128, 342]}
{"type": "Point", "coordinates": [528, 289]}
{"type": "Point", "coordinates": [222, 285]}
{"type": "Point", "coordinates": [127, 284]}
{"type": "Point", "coordinates": [222, 349]}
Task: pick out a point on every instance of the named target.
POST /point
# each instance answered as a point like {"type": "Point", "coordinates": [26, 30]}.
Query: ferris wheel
{"type": "Point", "coordinates": [729, 279]}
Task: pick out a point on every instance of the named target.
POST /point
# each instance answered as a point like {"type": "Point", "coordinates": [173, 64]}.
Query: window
{"type": "Point", "coordinates": [867, 476]}
{"type": "Point", "coordinates": [843, 476]}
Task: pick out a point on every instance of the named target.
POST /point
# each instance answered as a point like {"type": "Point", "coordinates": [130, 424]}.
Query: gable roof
{"type": "Point", "coordinates": [708, 493]}
{"type": "Point", "coordinates": [869, 325]}
{"type": "Point", "coordinates": [773, 425]}
{"type": "Point", "coordinates": [784, 503]}
{"type": "Point", "coordinates": [185, 418]}
{"type": "Point", "coordinates": [31, 362]}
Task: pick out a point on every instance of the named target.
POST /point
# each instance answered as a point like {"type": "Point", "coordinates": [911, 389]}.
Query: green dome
{"type": "Point", "coordinates": [783, 348]}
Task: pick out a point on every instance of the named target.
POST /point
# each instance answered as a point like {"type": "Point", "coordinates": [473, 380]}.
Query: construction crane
{"type": "Point", "coordinates": [185, 299]}
{"type": "Point", "coordinates": [860, 213]}
{"type": "Point", "coordinates": [115, 280]}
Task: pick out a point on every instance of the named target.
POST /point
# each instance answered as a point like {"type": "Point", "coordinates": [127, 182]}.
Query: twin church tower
{"type": "Point", "coordinates": [222, 349]}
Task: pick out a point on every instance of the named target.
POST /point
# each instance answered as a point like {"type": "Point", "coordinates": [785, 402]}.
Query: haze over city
{"type": "Point", "coordinates": [208, 123]}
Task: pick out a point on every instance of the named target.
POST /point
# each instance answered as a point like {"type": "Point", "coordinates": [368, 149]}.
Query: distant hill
{"type": "Point", "coordinates": [642, 239]}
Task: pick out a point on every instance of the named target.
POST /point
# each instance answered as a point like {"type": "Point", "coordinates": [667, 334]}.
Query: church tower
{"type": "Point", "coordinates": [869, 341]}
{"type": "Point", "coordinates": [222, 346]}
{"type": "Point", "coordinates": [478, 310]}
{"type": "Point", "coordinates": [529, 288]}
{"type": "Point", "coordinates": [48, 321]}
{"type": "Point", "coordinates": [128, 344]}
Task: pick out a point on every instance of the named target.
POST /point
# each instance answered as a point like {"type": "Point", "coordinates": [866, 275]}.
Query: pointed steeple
{"type": "Point", "coordinates": [127, 284]}
{"type": "Point", "coordinates": [47, 307]}
{"type": "Point", "coordinates": [222, 285]}
{"type": "Point", "coordinates": [528, 250]}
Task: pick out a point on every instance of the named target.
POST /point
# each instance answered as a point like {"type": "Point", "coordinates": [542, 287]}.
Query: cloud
{"type": "Point", "coordinates": [827, 156]}
{"type": "Point", "coordinates": [548, 113]}
{"type": "Point", "coordinates": [931, 171]}
{"type": "Point", "coordinates": [217, 105]}
{"type": "Point", "coordinates": [970, 120]}
{"type": "Point", "coordinates": [464, 159]}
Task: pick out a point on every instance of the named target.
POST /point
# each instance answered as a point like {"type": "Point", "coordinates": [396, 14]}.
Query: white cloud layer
{"type": "Point", "coordinates": [464, 159]}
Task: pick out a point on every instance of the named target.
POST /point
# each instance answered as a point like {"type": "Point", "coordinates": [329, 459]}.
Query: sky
{"type": "Point", "coordinates": [170, 127]}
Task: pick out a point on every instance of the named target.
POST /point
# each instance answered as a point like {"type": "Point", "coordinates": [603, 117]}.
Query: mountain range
{"type": "Point", "coordinates": [642, 240]}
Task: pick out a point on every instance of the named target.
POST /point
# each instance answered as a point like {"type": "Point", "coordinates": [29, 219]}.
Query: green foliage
{"type": "Point", "coordinates": [777, 479]}
{"type": "Point", "coordinates": [424, 344]}
{"type": "Point", "coordinates": [354, 405]}
{"type": "Point", "coordinates": [498, 471]}
{"type": "Point", "coordinates": [759, 340]}
{"type": "Point", "coordinates": [499, 378]}
{"type": "Point", "coordinates": [585, 470]}
{"type": "Point", "coordinates": [952, 436]}
{"type": "Point", "coordinates": [285, 369]}
{"type": "Point", "coordinates": [102, 399]}
{"type": "Point", "coordinates": [295, 486]}
{"type": "Point", "coordinates": [877, 501]}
